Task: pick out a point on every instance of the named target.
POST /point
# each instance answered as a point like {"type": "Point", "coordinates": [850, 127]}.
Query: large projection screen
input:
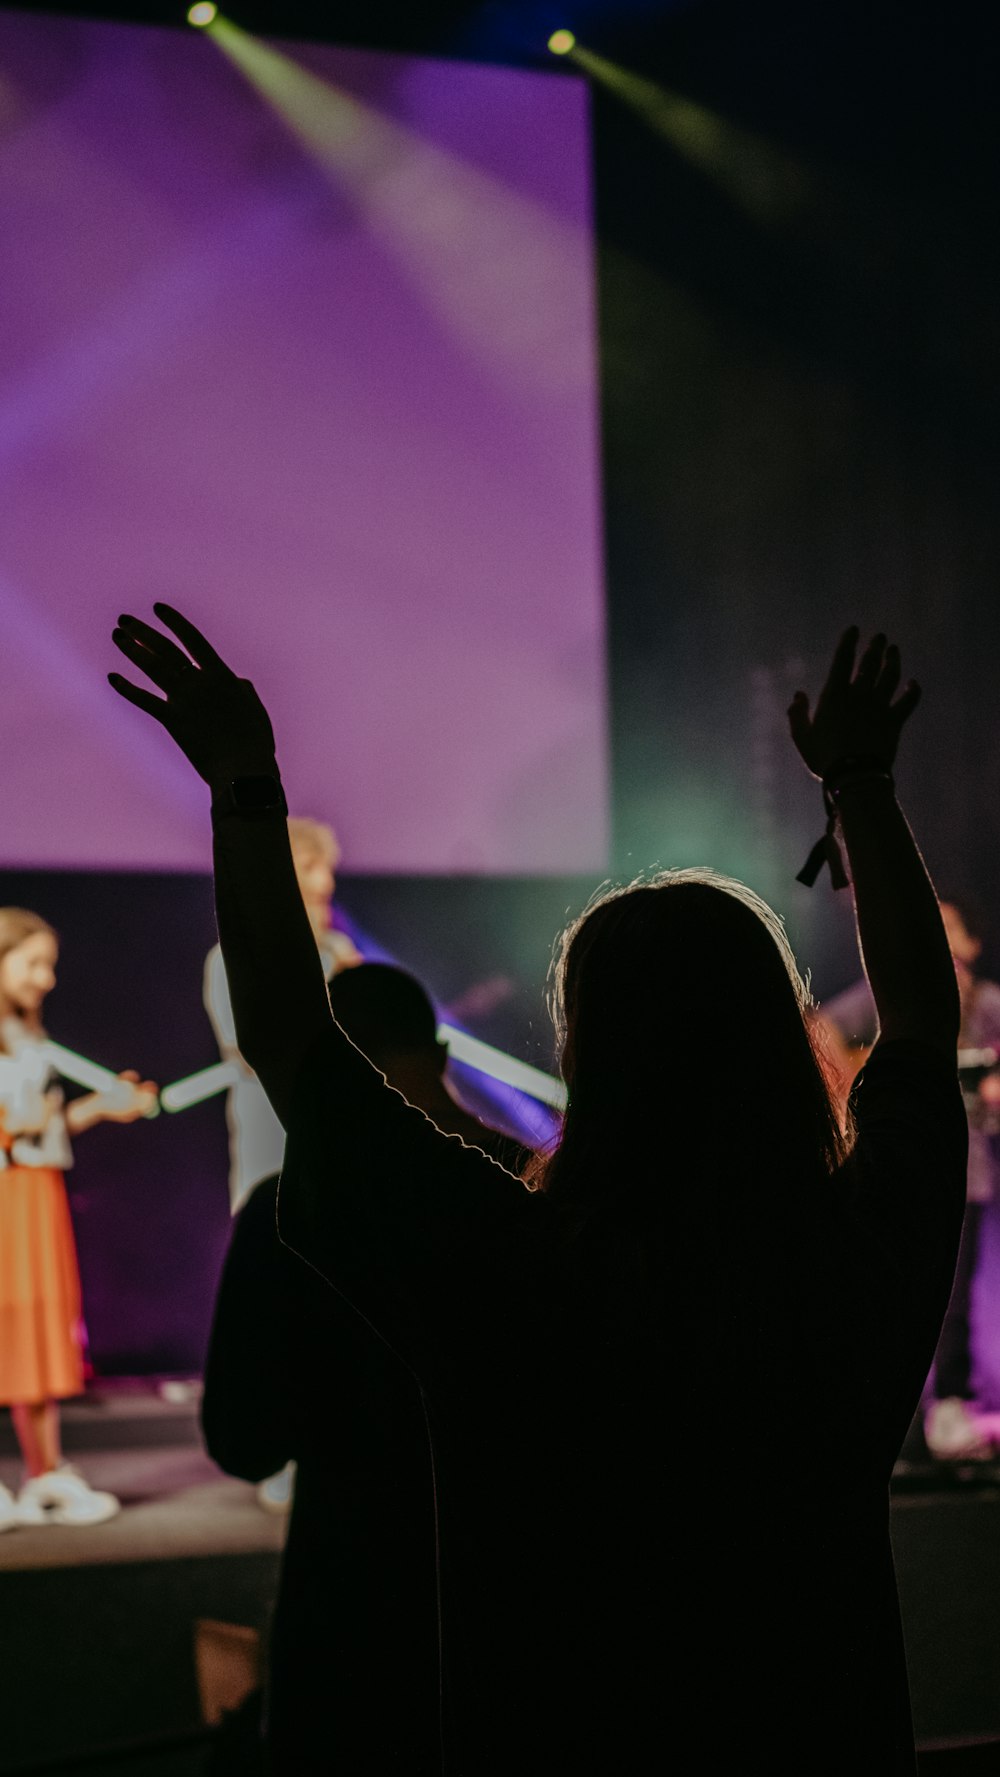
{"type": "Point", "coordinates": [303, 341]}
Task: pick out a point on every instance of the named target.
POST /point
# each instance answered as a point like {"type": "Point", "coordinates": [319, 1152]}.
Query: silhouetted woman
{"type": "Point", "coordinates": [656, 1548]}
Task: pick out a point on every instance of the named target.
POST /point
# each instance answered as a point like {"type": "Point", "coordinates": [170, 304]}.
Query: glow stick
{"type": "Point", "coordinates": [978, 1058]}
{"type": "Point", "coordinates": [505, 1068]}
{"type": "Point", "coordinates": [83, 1072]}
{"type": "Point", "coordinates": [195, 1088]}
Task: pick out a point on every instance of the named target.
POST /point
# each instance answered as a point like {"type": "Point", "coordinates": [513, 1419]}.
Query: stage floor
{"type": "Point", "coordinates": [126, 1438]}
{"type": "Point", "coordinates": [97, 1630]}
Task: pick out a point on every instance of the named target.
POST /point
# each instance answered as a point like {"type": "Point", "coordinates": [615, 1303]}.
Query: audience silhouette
{"type": "Point", "coordinates": [654, 1544]}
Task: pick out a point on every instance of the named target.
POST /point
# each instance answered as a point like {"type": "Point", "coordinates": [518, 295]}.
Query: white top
{"type": "Point", "coordinates": [256, 1138]}
{"type": "Point", "coordinates": [31, 1105]}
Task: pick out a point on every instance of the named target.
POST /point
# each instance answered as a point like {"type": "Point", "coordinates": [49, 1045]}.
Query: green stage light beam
{"type": "Point", "coordinates": [203, 14]}
{"type": "Point", "coordinates": [83, 1072]}
{"type": "Point", "coordinates": [767, 183]}
{"type": "Point", "coordinates": [561, 43]}
{"type": "Point", "coordinates": [494, 1063]}
{"type": "Point", "coordinates": [484, 258]}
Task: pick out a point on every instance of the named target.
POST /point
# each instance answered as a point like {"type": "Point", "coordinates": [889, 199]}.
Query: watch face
{"type": "Point", "coordinates": [256, 793]}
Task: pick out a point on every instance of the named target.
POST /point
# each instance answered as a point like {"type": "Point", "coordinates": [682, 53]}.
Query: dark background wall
{"type": "Point", "coordinates": [801, 364]}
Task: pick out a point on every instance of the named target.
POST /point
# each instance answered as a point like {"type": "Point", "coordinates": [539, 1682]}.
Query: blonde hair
{"type": "Point", "coordinates": [315, 838]}
{"type": "Point", "coordinates": [17, 925]}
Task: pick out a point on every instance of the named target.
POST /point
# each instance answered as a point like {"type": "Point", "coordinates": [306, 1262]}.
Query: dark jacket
{"type": "Point", "coordinates": [294, 1372]}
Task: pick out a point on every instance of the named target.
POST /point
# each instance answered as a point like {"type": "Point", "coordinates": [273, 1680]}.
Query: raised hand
{"type": "Point", "coordinates": [855, 717]}
{"type": "Point", "coordinates": [217, 719]}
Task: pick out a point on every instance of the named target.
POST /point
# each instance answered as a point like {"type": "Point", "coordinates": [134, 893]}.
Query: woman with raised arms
{"type": "Point", "coordinates": [656, 1551]}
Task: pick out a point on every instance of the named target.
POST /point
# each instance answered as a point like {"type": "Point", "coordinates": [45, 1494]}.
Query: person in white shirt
{"type": "Point", "coordinates": [256, 1138]}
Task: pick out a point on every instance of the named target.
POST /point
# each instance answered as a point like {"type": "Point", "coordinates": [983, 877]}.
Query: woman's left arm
{"type": "Point", "coordinates": [279, 997]}
{"type": "Point", "coordinates": [280, 1001]}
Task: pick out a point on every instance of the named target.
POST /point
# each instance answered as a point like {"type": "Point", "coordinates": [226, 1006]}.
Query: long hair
{"type": "Point", "coordinates": [17, 924]}
{"type": "Point", "coordinates": [682, 1021]}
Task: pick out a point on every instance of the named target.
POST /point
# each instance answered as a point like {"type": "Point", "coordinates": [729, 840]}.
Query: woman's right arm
{"type": "Point", "coordinates": [850, 742]}
{"type": "Point", "coordinates": [900, 931]}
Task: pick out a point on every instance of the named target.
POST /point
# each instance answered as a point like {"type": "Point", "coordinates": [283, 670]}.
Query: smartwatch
{"type": "Point", "coordinates": [252, 797]}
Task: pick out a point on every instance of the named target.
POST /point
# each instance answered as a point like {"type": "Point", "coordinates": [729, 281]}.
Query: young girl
{"type": "Point", "coordinates": [41, 1356]}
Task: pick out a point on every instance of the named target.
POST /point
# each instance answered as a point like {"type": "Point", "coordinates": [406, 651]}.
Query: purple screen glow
{"type": "Point", "coordinates": [318, 366]}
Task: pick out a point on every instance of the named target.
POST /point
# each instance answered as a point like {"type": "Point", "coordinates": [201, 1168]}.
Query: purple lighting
{"type": "Point", "coordinates": [227, 382]}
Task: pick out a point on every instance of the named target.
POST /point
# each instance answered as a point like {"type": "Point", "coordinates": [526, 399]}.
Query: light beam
{"type": "Point", "coordinates": [498, 268]}
{"type": "Point", "coordinates": [764, 181]}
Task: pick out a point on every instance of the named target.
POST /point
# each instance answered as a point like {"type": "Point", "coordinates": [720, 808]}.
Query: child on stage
{"type": "Point", "coordinates": [41, 1355]}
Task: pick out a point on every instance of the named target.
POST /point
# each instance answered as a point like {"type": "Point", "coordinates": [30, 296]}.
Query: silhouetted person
{"type": "Point", "coordinates": [655, 1547]}
{"type": "Point", "coordinates": [294, 1373]}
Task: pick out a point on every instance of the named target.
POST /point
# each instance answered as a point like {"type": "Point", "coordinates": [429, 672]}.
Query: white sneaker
{"type": "Point", "coordinates": [63, 1497]}
{"type": "Point", "coordinates": [8, 1509]}
{"type": "Point", "coordinates": [276, 1493]}
{"type": "Point", "coordinates": [953, 1433]}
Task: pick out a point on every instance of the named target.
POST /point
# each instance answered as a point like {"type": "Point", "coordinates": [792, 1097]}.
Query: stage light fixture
{"type": "Point", "coordinates": [202, 14]}
{"type": "Point", "coordinates": [561, 42]}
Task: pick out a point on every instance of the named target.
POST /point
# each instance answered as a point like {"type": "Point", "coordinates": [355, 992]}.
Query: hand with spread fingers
{"type": "Point", "coordinates": [855, 717]}
{"type": "Point", "coordinates": [217, 719]}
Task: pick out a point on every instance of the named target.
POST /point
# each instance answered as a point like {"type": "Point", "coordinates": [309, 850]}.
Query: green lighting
{"type": "Point", "coordinates": [561, 42]}
{"type": "Point", "coordinates": [202, 14]}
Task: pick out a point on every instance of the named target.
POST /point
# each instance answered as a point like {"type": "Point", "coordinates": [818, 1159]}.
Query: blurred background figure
{"type": "Point", "coordinates": [256, 1138]}
{"type": "Point", "coordinates": [41, 1316]}
{"type": "Point", "coordinates": [953, 1428]}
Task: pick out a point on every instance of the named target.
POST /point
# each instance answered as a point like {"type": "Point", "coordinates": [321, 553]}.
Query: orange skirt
{"type": "Point", "coordinates": [41, 1347]}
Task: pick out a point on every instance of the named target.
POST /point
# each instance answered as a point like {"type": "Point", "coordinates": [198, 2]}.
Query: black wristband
{"type": "Point", "coordinates": [844, 771]}
{"type": "Point", "coordinates": [252, 797]}
{"type": "Point", "coordinates": [826, 851]}
{"type": "Point", "coordinates": [840, 775]}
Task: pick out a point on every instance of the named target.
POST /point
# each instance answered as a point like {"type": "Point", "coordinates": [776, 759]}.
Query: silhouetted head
{"type": "Point", "coordinates": [681, 1018]}
{"type": "Point", "coordinates": [387, 1013]}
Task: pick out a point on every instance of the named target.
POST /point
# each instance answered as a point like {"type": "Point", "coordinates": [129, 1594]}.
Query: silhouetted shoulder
{"type": "Point", "coordinates": [384, 1205]}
